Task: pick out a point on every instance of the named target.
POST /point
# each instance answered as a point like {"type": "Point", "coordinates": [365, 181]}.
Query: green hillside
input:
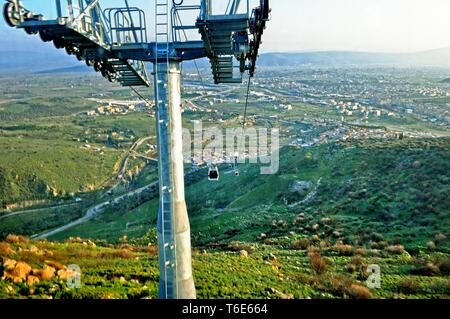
{"type": "Point", "coordinates": [396, 188]}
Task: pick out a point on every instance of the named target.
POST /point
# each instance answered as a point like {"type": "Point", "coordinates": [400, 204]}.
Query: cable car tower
{"type": "Point", "coordinates": [114, 41]}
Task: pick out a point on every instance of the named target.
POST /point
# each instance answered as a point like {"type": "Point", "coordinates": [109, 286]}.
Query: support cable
{"type": "Point", "coordinates": [195, 62]}
{"type": "Point", "coordinates": [140, 95]}
{"type": "Point", "coordinates": [246, 103]}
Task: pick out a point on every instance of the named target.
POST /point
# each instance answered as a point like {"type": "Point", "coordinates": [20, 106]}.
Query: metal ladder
{"type": "Point", "coordinates": [168, 256]}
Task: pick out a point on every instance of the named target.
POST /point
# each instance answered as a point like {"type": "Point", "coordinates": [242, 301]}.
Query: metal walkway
{"type": "Point", "coordinates": [217, 32]}
{"type": "Point", "coordinates": [86, 32]}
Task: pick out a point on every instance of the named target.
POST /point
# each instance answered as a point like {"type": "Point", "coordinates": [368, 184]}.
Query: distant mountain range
{"type": "Point", "coordinates": [34, 62]}
{"type": "Point", "coordinates": [432, 58]}
{"type": "Point", "coordinates": [54, 61]}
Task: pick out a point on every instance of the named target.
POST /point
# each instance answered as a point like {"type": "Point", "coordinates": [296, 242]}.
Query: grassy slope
{"type": "Point", "coordinates": [131, 271]}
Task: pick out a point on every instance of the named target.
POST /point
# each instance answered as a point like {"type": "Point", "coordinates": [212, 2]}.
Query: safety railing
{"type": "Point", "coordinates": [232, 8]}
{"type": "Point", "coordinates": [86, 17]}
{"type": "Point", "coordinates": [179, 29]}
{"type": "Point", "coordinates": [126, 25]}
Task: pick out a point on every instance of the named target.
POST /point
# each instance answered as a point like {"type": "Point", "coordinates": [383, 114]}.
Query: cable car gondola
{"type": "Point", "coordinates": [213, 173]}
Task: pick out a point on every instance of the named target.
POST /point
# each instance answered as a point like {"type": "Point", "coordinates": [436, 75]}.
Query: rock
{"type": "Point", "coordinates": [271, 290]}
{"type": "Point", "coordinates": [55, 265]}
{"type": "Point", "coordinates": [122, 280]}
{"type": "Point", "coordinates": [315, 227]}
{"type": "Point", "coordinates": [31, 290]}
{"type": "Point", "coordinates": [32, 280]}
{"type": "Point", "coordinates": [47, 273]}
{"type": "Point", "coordinates": [243, 253]}
{"type": "Point", "coordinates": [9, 264]}
{"type": "Point", "coordinates": [263, 236]}
{"type": "Point", "coordinates": [279, 294]}
{"type": "Point", "coordinates": [22, 269]}
{"type": "Point", "coordinates": [270, 257]}
{"type": "Point", "coordinates": [5, 249]}
{"type": "Point", "coordinates": [17, 274]}
{"type": "Point", "coordinates": [65, 274]}
{"type": "Point", "coordinates": [300, 186]}
{"type": "Point", "coordinates": [36, 251]}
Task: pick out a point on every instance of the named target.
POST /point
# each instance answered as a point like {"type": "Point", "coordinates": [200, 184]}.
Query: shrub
{"type": "Point", "coordinates": [432, 268]}
{"type": "Point", "coordinates": [361, 251]}
{"type": "Point", "coordinates": [318, 263]}
{"type": "Point", "coordinates": [343, 250]}
{"type": "Point", "coordinates": [122, 253]}
{"type": "Point", "coordinates": [440, 237]}
{"type": "Point", "coordinates": [238, 246]}
{"type": "Point", "coordinates": [431, 245]}
{"type": "Point", "coordinates": [382, 244]}
{"type": "Point", "coordinates": [444, 266]}
{"type": "Point", "coordinates": [357, 261]}
{"type": "Point", "coordinates": [339, 284]}
{"type": "Point", "coordinates": [14, 239]}
{"type": "Point", "coordinates": [429, 269]}
{"type": "Point", "coordinates": [301, 244]}
{"type": "Point", "coordinates": [376, 237]}
{"type": "Point", "coordinates": [324, 244]}
{"type": "Point", "coordinates": [313, 249]}
{"type": "Point", "coordinates": [359, 292]}
{"type": "Point", "coordinates": [152, 250]}
{"type": "Point", "coordinates": [395, 249]}
{"type": "Point", "coordinates": [408, 286]}
{"type": "Point", "coordinates": [351, 268]}
{"type": "Point", "coordinates": [5, 249]}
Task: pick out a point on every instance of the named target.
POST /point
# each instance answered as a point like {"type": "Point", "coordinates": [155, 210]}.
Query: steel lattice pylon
{"type": "Point", "coordinates": [114, 41]}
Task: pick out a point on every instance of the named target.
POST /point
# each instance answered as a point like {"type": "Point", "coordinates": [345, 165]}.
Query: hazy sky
{"type": "Point", "coordinates": [363, 25]}
{"type": "Point", "coordinates": [318, 25]}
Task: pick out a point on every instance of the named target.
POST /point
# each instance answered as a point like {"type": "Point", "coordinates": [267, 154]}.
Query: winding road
{"type": "Point", "coordinates": [92, 212]}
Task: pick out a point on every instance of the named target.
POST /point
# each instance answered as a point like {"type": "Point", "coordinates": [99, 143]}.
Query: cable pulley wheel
{"type": "Point", "coordinates": [70, 50]}
{"type": "Point", "coordinates": [58, 43]}
{"type": "Point", "coordinates": [10, 14]}
{"type": "Point", "coordinates": [44, 36]}
{"type": "Point", "coordinates": [97, 66]}
{"type": "Point", "coordinates": [79, 55]}
{"type": "Point", "coordinates": [30, 31]}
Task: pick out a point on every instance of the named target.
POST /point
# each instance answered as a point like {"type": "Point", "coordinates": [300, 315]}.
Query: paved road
{"type": "Point", "coordinates": [91, 213]}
